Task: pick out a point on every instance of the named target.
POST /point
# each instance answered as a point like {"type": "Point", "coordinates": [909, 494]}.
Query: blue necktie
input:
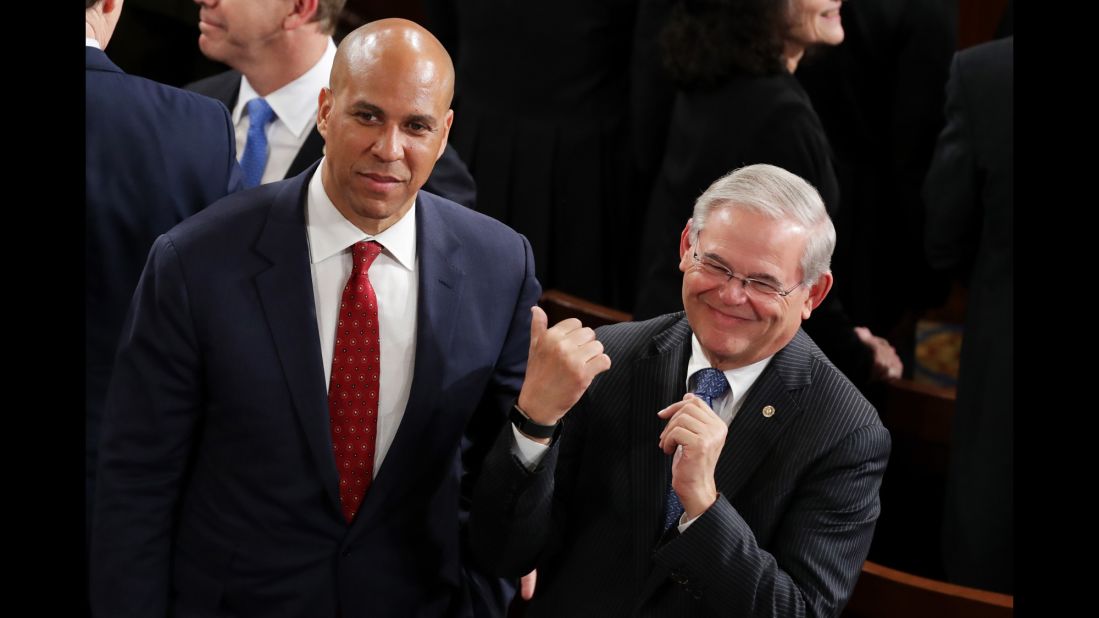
{"type": "Point", "coordinates": [710, 385]}
{"type": "Point", "coordinates": [255, 150]}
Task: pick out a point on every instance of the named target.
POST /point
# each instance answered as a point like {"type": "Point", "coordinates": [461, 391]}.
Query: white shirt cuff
{"type": "Point", "coordinates": [528, 451]}
{"type": "Point", "coordinates": [685, 522]}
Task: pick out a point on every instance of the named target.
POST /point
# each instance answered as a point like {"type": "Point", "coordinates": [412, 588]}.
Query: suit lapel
{"type": "Point", "coordinates": [753, 433]}
{"type": "Point", "coordinates": [286, 296]}
{"type": "Point", "coordinates": [310, 151]}
{"type": "Point", "coordinates": [656, 383]}
{"type": "Point", "coordinates": [440, 293]}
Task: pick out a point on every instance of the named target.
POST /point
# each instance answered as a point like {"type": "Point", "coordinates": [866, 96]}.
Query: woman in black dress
{"type": "Point", "coordinates": [738, 103]}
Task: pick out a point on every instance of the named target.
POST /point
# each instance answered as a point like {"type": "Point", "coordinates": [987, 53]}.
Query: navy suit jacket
{"type": "Point", "coordinates": [789, 531]}
{"type": "Point", "coordinates": [218, 488]}
{"type": "Point", "coordinates": [450, 178]}
{"type": "Point", "coordinates": [154, 156]}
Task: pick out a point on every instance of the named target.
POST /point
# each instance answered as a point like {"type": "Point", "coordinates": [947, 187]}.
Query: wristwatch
{"type": "Point", "coordinates": [524, 424]}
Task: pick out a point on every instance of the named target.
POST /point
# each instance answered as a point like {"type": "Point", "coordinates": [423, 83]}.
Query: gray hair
{"type": "Point", "coordinates": [777, 194]}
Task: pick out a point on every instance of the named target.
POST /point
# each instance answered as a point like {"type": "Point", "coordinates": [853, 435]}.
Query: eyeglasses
{"type": "Point", "coordinates": [756, 288]}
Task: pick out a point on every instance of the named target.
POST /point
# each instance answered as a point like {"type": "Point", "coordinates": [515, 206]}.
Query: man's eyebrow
{"type": "Point", "coordinates": [760, 276]}
{"type": "Point", "coordinates": [424, 119]}
{"type": "Point", "coordinates": [365, 106]}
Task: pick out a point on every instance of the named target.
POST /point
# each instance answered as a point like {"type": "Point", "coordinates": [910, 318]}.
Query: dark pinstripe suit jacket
{"type": "Point", "coordinates": [787, 536]}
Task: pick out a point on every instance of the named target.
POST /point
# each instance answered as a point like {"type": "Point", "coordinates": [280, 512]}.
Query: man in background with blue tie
{"type": "Point", "coordinates": [281, 55]}
{"type": "Point", "coordinates": [154, 156]}
{"type": "Point", "coordinates": [722, 465]}
{"type": "Point", "coordinates": [311, 372]}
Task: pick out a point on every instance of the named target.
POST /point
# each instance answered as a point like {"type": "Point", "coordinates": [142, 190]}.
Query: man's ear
{"type": "Point", "coordinates": [302, 12]}
{"type": "Point", "coordinates": [449, 120]}
{"type": "Point", "coordinates": [685, 247]}
{"type": "Point", "coordinates": [324, 107]}
{"type": "Point", "coordinates": [817, 292]}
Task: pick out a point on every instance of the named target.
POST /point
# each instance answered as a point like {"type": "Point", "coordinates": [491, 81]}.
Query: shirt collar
{"type": "Point", "coordinates": [295, 104]}
{"type": "Point", "coordinates": [330, 233]}
{"type": "Point", "coordinates": [740, 379]}
{"type": "Point", "coordinates": [90, 42]}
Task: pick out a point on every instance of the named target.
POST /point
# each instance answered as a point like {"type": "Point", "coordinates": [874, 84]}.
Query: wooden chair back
{"type": "Point", "coordinates": [882, 592]}
{"type": "Point", "coordinates": [559, 306]}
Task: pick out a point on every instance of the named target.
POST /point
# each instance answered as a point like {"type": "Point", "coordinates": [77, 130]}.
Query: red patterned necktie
{"type": "Point", "coordinates": [353, 387]}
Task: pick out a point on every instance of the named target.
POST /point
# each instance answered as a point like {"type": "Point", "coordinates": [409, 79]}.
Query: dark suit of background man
{"type": "Point", "coordinates": [154, 155]}
{"type": "Point", "coordinates": [970, 212]}
{"type": "Point", "coordinates": [282, 51]}
{"type": "Point", "coordinates": [220, 492]}
{"type": "Point", "coordinates": [648, 502]}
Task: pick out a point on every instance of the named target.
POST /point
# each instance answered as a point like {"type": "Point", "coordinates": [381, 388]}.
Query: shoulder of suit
{"type": "Point", "coordinates": [635, 338]}
{"type": "Point", "coordinates": [133, 102]}
{"type": "Point", "coordinates": [984, 71]}
{"type": "Point", "coordinates": [802, 362]}
{"type": "Point", "coordinates": [175, 100]}
{"type": "Point", "coordinates": [230, 218]}
{"type": "Point", "coordinates": [216, 85]}
{"type": "Point", "coordinates": [989, 50]}
{"type": "Point", "coordinates": [466, 223]}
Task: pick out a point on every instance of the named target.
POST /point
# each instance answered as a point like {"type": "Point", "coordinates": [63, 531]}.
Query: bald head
{"type": "Point", "coordinates": [385, 118]}
{"type": "Point", "coordinates": [396, 45]}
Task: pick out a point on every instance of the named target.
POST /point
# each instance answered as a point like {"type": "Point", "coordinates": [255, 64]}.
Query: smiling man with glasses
{"type": "Point", "coordinates": [722, 466]}
{"type": "Point", "coordinates": [785, 275]}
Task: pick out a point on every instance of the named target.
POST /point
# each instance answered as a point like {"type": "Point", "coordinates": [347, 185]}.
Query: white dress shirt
{"type": "Point", "coordinates": [394, 276]}
{"type": "Point", "coordinates": [740, 380]}
{"type": "Point", "coordinates": [295, 107]}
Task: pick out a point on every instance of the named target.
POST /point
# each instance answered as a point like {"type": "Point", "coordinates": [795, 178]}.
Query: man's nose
{"type": "Point", "coordinates": [733, 292]}
{"type": "Point", "coordinates": [387, 146]}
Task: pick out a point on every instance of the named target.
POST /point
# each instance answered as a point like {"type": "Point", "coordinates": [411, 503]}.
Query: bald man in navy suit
{"type": "Point", "coordinates": [225, 487]}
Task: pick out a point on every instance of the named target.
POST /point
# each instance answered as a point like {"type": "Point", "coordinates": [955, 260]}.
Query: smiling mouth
{"type": "Point", "coordinates": [202, 21]}
{"type": "Point", "coordinates": [728, 317]}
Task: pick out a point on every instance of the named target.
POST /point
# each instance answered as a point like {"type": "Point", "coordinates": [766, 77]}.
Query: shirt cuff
{"type": "Point", "coordinates": [528, 451]}
{"type": "Point", "coordinates": [685, 522]}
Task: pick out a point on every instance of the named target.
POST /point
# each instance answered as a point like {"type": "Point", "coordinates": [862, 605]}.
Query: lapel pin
{"type": "Point", "coordinates": [768, 411]}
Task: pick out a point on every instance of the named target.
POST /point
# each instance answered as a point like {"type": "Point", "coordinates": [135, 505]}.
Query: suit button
{"type": "Point", "coordinates": [679, 578]}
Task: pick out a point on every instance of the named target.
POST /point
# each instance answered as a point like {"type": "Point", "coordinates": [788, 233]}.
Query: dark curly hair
{"type": "Point", "coordinates": [706, 41]}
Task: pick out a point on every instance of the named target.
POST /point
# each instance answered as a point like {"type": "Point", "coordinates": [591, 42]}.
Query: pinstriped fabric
{"type": "Point", "coordinates": [787, 537]}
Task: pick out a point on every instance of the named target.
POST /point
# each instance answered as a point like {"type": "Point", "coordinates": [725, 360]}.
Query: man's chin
{"type": "Point", "coordinates": [378, 209]}
{"type": "Point", "coordinates": [209, 48]}
{"type": "Point", "coordinates": [721, 342]}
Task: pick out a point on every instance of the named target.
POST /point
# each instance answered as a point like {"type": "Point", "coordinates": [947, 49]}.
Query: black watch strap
{"type": "Point", "coordinates": [523, 423]}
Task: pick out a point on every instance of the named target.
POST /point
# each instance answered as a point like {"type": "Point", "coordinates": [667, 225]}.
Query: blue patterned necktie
{"type": "Point", "coordinates": [710, 385]}
{"type": "Point", "coordinates": [254, 158]}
